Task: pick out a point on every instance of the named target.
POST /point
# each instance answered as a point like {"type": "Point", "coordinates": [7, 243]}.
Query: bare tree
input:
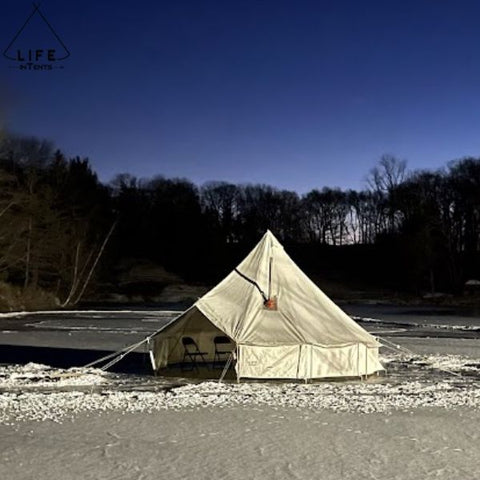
{"type": "Point", "coordinates": [326, 214]}
{"type": "Point", "coordinates": [387, 174]}
{"type": "Point", "coordinates": [220, 201]}
{"type": "Point", "coordinates": [383, 181]}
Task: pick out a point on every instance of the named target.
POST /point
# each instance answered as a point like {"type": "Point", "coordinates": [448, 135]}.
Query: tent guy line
{"type": "Point", "coordinates": [254, 283]}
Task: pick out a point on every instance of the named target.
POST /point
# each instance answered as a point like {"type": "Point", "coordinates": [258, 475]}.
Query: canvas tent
{"type": "Point", "coordinates": [280, 323]}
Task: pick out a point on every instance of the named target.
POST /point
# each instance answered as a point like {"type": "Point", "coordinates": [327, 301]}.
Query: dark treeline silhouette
{"type": "Point", "coordinates": [60, 227]}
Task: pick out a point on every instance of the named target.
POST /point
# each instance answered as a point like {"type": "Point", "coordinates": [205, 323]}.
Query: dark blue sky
{"type": "Point", "coordinates": [297, 94]}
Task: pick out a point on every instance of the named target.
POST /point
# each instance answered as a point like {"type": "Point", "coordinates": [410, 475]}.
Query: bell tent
{"type": "Point", "coordinates": [280, 324]}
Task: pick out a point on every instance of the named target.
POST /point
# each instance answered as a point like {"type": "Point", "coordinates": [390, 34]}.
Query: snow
{"type": "Point", "coordinates": [351, 398]}
{"type": "Point", "coordinates": [38, 375]}
{"type": "Point", "coordinates": [245, 442]}
{"type": "Point", "coordinates": [473, 328]}
{"type": "Point", "coordinates": [440, 381]}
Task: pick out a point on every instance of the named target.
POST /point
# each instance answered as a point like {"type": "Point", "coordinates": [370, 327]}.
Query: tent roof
{"type": "Point", "coordinates": [305, 315]}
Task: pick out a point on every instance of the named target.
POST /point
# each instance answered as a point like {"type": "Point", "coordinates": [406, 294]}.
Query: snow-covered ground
{"type": "Point", "coordinates": [251, 441]}
{"type": "Point", "coordinates": [417, 422]}
{"type": "Point", "coordinates": [421, 420]}
{"type": "Point", "coordinates": [39, 392]}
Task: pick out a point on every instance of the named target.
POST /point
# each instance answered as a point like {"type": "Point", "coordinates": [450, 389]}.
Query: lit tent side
{"type": "Point", "coordinates": [281, 324]}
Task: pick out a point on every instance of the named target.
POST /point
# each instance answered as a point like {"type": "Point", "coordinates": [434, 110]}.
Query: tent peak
{"type": "Point", "coordinates": [269, 233]}
{"type": "Point", "coordinates": [270, 239]}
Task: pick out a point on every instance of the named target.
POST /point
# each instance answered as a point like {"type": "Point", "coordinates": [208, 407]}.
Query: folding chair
{"type": "Point", "coordinates": [223, 348]}
{"type": "Point", "coordinates": [192, 353]}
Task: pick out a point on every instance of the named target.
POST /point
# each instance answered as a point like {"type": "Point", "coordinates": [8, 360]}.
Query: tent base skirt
{"type": "Point", "coordinates": [306, 361]}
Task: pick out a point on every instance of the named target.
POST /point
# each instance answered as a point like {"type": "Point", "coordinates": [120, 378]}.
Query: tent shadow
{"type": "Point", "coordinates": [200, 372]}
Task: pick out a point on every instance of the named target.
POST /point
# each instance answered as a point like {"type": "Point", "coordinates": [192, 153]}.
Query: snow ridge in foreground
{"type": "Point", "coordinates": [359, 398]}
{"type": "Point", "coordinates": [395, 392]}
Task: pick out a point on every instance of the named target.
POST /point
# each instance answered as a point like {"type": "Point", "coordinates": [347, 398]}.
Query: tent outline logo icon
{"type": "Point", "coordinates": [31, 58]}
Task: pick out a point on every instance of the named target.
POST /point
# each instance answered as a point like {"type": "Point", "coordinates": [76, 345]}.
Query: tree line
{"type": "Point", "coordinates": [62, 230]}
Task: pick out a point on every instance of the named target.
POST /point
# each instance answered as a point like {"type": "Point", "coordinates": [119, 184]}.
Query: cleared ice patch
{"type": "Point", "coordinates": [85, 328]}
{"type": "Point", "coordinates": [90, 313]}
